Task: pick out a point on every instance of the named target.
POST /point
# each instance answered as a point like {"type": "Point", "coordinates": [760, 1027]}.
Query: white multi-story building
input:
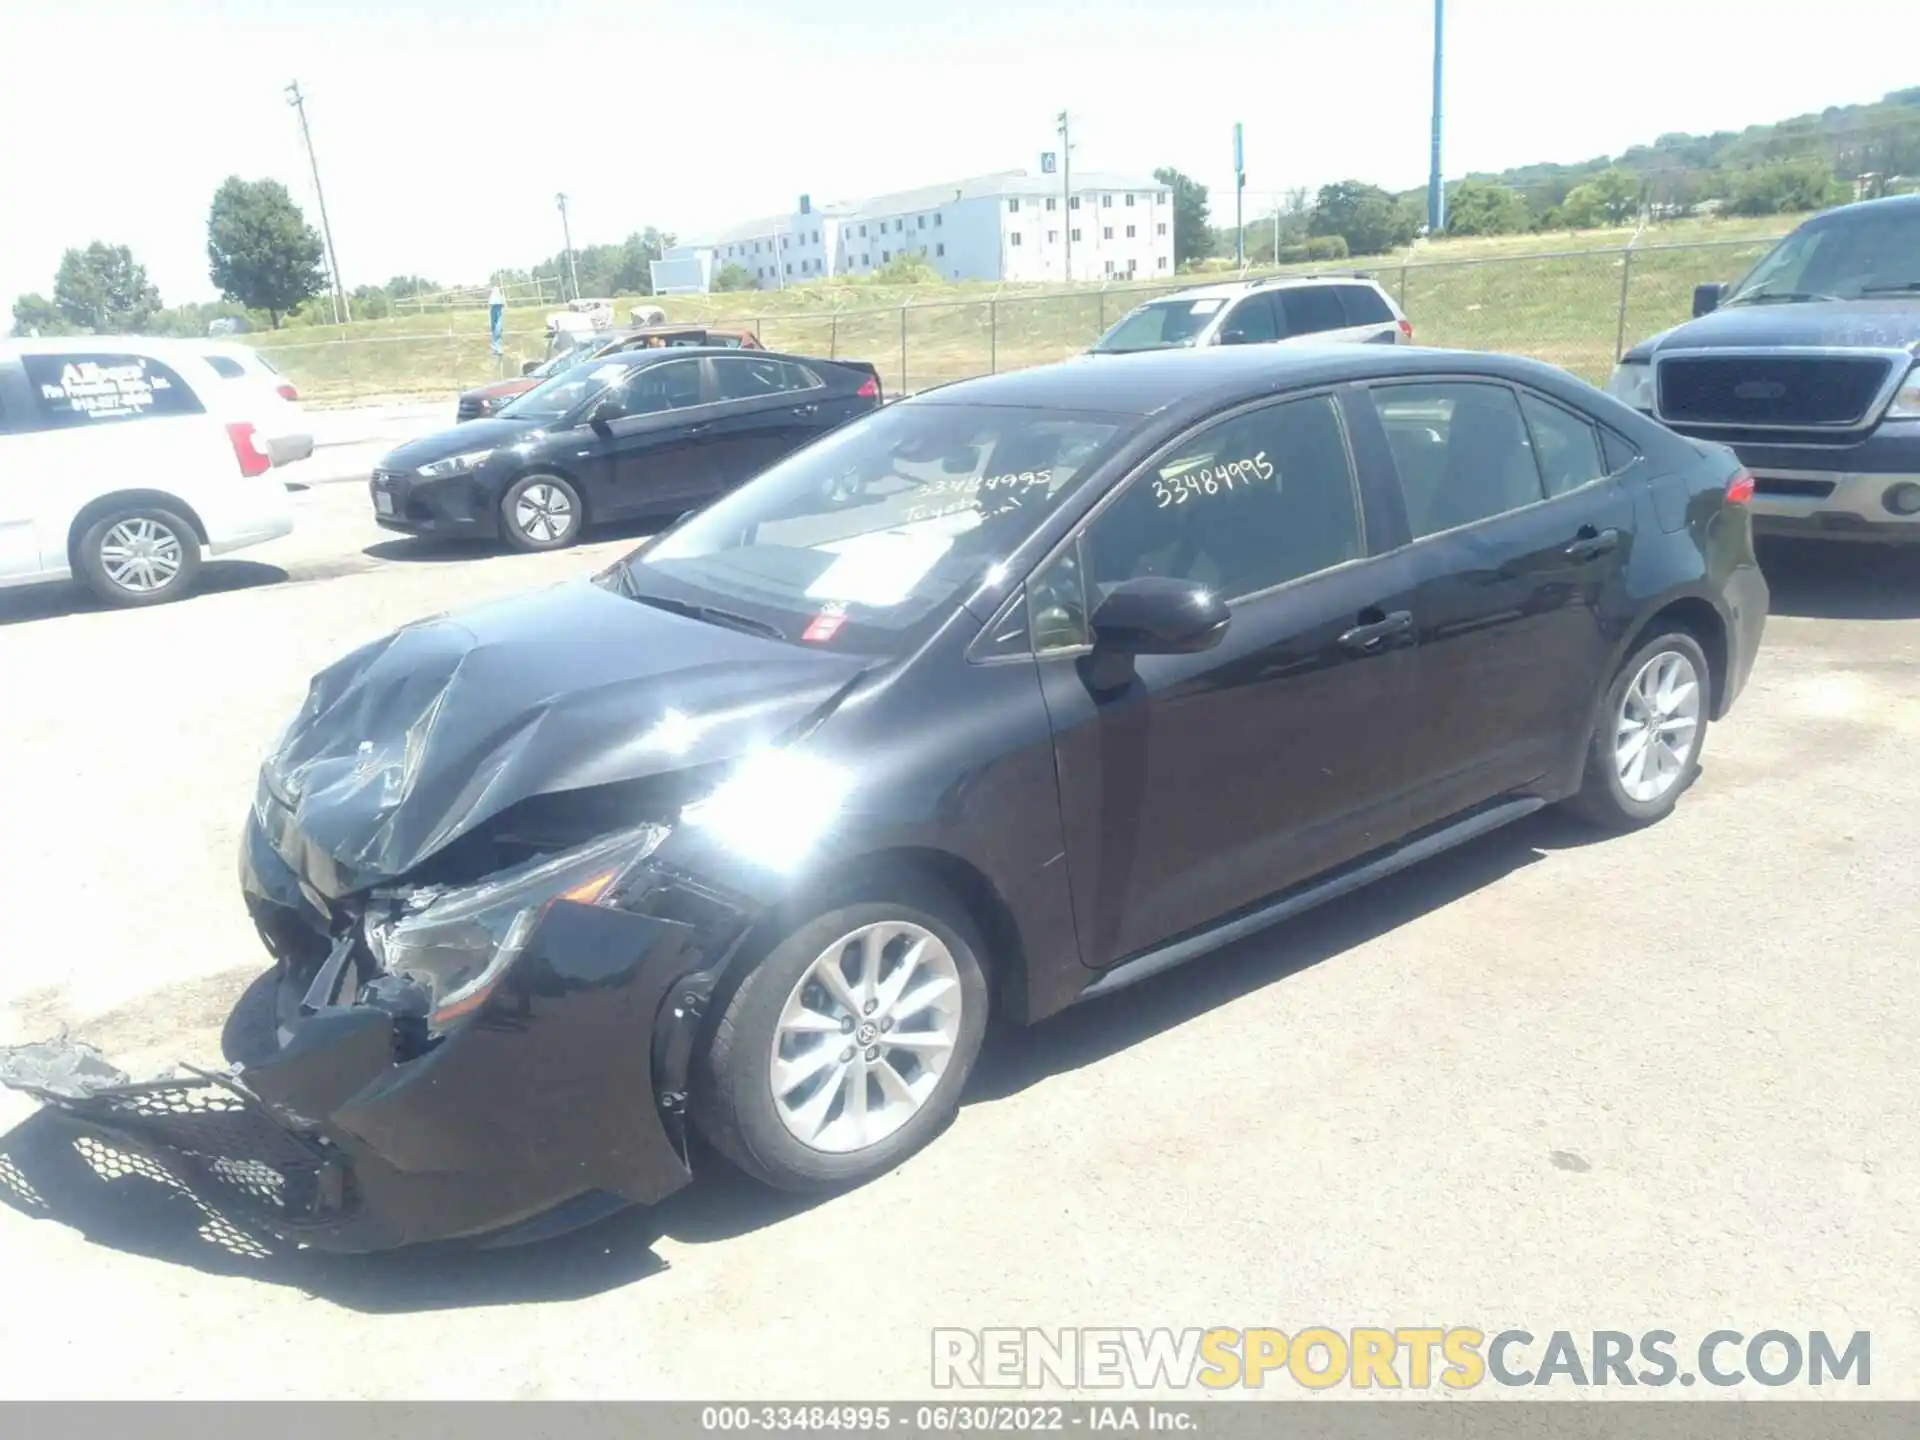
{"type": "Point", "coordinates": [1009, 226]}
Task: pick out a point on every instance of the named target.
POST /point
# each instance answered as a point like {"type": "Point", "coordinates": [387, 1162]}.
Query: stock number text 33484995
{"type": "Point", "coordinates": [1217, 478]}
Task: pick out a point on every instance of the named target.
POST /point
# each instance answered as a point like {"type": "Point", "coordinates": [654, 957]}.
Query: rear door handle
{"type": "Point", "coordinates": [1370, 638]}
{"type": "Point", "coordinates": [1592, 544]}
{"type": "Point", "coordinates": [806, 409]}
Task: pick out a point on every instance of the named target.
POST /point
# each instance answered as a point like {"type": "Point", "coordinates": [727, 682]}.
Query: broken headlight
{"type": "Point", "coordinates": [459, 942]}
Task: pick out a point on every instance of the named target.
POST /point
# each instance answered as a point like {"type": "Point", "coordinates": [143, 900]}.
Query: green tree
{"type": "Point", "coordinates": [1786, 188]}
{"type": "Point", "coordinates": [102, 289]}
{"type": "Point", "coordinates": [1365, 216]}
{"type": "Point", "coordinates": [35, 314]}
{"type": "Point", "coordinates": [261, 250]}
{"type": "Point", "coordinates": [1192, 234]}
{"type": "Point", "coordinates": [1611, 198]}
{"type": "Point", "coordinates": [1479, 207]}
{"type": "Point", "coordinates": [733, 277]}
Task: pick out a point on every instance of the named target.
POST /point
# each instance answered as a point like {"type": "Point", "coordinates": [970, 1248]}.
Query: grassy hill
{"type": "Point", "coordinates": [1557, 297]}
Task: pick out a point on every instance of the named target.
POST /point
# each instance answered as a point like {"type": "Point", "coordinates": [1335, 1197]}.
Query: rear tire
{"type": "Point", "coordinates": [139, 555]}
{"type": "Point", "coordinates": [859, 1086]}
{"type": "Point", "coordinates": [1647, 735]}
{"type": "Point", "coordinates": [541, 512]}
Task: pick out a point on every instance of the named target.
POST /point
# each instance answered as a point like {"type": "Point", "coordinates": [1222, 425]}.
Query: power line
{"type": "Point", "coordinates": [341, 311]}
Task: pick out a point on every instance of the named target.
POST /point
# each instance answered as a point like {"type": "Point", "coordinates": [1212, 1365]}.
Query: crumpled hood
{"type": "Point", "coordinates": [410, 742]}
{"type": "Point", "coordinates": [1849, 324]}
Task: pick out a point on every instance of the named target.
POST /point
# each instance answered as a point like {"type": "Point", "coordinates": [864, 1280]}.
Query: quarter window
{"type": "Point", "coordinates": [73, 390]}
{"type": "Point", "coordinates": [1248, 503]}
{"type": "Point", "coordinates": [1564, 444]}
{"type": "Point", "coordinates": [1461, 450]}
{"type": "Point", "coordinates": [1311, 309]}
{"type": "Point", "coordinates": [1364, 305]}
{"type": "Point", "coordinates": [745, 379]}
{"type": "Point", "coordinates": [225, 368]}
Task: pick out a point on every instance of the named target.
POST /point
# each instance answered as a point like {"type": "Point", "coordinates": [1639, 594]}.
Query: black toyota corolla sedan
{"type": "Point", "coordinates": [633, 434]}
{"type": "Point", "coordinates": [996, 700]}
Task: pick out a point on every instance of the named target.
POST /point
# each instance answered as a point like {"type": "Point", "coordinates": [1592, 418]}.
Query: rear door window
{"type": "Point", "coordinates": [1364, 305]}
{"type": "Point", "coordinates": [1312, 309]}
{"type": "Point", "coordinates": [1462, 451]}
{"type": "Point", "coordinates": [744, 379]}
{"type": "Point", "coordinates": [76, 390]}
{"type": "Point", "coordinates": [1250, 323]}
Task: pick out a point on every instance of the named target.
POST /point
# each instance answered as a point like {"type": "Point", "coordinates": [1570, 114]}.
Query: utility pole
{"type": "Point", "coordinates": [340, 310]}
{"type": "Point", "coordinates": [566, 234]}
{"type": "Point", "coordinates": [1239, 196]}
{"type": "Point", "coordinates": [1066, 187]}
{"type": "Point", "coordinates": [1436, 188]}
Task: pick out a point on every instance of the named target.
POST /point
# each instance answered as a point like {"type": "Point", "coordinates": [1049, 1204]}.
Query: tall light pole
{"type": "Point", "coordinates": [1066, 187]}
{"type": "Point", "coordinates": [1239, 197]}
{"type": "Point", "coordinates": [1436, 188]}
{"type": "Point", "coordinates": [566, 234]}
{"type": "Point", "coordinates": [299, 103]}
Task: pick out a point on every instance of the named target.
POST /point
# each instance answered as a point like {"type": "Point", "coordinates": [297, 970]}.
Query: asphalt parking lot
{"type": "Point", "coordinates": [1661, 1081]}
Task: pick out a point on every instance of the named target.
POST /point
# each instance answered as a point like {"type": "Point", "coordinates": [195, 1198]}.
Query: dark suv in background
{"type": "Point", "coordinates": [1807, 368]}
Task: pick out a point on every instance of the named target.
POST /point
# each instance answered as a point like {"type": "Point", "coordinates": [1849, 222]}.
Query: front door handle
{"type": "Point", "coordinates": [806, 409]}
{"type": "Point", "coordinates": [1372, 636]}
{"type": "Point", "coordinates": [1592, 544]}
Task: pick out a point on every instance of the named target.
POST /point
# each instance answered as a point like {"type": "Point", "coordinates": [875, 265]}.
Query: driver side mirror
{"type": "Point", "coordinates": [605, 411]}
{"type": "Point", "coordinates": [1151, 615]}
{"type": "Point", "coordinates": [1707, 298]}
{"type": "Point", "coordinates": [527, 367]}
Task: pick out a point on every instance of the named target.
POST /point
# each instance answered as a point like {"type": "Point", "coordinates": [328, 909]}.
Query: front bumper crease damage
{"type": "Point", "coordinates": [548, 1111]}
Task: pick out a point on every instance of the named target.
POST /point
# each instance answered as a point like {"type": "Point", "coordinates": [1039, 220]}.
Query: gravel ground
{"type": "Point", "coordinates": [1663, 1081]}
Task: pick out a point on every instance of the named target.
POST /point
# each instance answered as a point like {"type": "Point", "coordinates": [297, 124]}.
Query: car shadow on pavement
{"type": "Point", "coordinates": [49, 1170]}
{"type": "Point", "coordinates": [1840, 580]}
{"type": "Point", "coordinates": [61, 598]}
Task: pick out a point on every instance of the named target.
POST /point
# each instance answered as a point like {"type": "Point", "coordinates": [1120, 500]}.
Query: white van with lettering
{"type": "Point", "coordinates": [124, 460]}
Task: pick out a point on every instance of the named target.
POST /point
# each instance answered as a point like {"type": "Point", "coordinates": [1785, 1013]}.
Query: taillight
{"type": "Point", "coordinates": [253, 460]}
{"type": "Point", "coordinates": [869, 389]}
{"type": "Point", "coordinates": [1740, 489]}
{"type": "Point", "coordinates": [1406, 328]}
{"type": "Point", "coordinates": [286, 391]}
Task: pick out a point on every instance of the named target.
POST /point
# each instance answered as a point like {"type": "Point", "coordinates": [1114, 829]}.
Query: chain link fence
{"type": "Point", "coordinates": [1575, 309]}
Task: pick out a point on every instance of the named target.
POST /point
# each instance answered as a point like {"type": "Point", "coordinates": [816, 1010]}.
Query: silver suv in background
{"type": "Point", "coordinates": [1312, 309]}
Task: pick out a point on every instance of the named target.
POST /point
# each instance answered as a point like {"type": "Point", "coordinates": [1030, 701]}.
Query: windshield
{"type": "Point", "coordinates": [1162, 325]}
{"type": "Point", "coordinates": [888, 522]}
{"type": "Point", "coordinates": [562, 392]}
{"type": "Point", "coordinates": [565, 361]}
{"type": "Point", "coordinates": [1841, 257]}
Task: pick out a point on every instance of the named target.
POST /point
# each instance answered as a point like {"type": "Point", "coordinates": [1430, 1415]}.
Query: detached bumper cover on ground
{"type": "Point", "coordinates": [544, 1110]}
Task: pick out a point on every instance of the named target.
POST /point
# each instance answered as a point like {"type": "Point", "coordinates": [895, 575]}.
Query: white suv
{"type": "Point", "coordinates": [1299, 309]}
{"type": "Point", "coordinates": [124, 458]}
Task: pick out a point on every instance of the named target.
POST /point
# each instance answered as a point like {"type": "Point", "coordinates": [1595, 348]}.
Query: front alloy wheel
{"type": "Point", "coordinates": [844, 1049]}
{"type": "Point", "coordinates": [541, 512]}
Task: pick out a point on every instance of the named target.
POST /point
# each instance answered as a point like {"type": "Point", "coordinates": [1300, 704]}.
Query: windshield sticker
{"type": "Point", "coordinates": [89, 388]}
{"type": "Point", "coordinates": [1199, 479]}
{"type": "Point", "coordinates": [1206, 307]}
{"type": "Point", "coordinates": [823, 627]}
{"type": "Point", "coordinates": [880, 568]}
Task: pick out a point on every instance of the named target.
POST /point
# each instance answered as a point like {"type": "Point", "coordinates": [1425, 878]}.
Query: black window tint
{"type": "Point", "coordinates": [226, 369]}
{"type": "Point", "coordinates": [1249, 323]}
{"type": "Point", "coordinates": [1363, 305]}
{"type": "Point", "coordinates": [74, 390]}
{"type": "Point", "coordinates": [1620, 454]}
{"type": "Point", "coordinates": [1311, 309]}
{"type": "Point", "coordinates": [1248, 503]}
{"type": "Point", "coordinates": [673, 386]}
{"type": "Point", "coordinates": [1057, 604]}
{"type": "Point", "coordinates": [1461, 450]}
{"type": "Point", "coordinates": [754, 379]}
{"type": "Point", "coordinates": [1565, 445]}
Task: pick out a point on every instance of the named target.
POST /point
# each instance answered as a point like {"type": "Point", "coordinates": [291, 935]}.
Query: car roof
{"type": "Point", "coordinates": [649, 355]}
{"type": "Point", "coordinates": [1226, 288]}
{"type": "Point", "coordinates": [1149, 382]}
{"type": "Point", "coordinates": [159, 346]}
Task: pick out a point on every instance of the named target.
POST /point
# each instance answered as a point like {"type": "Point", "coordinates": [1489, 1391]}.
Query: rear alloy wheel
{"type": "Point", "coordinates": [143, 556]}
{"type": "Point", "coordinates": [541, 512]}
{"type": "Point", "coordinates": [1648, 735]}
{"type": "Point", "coordinates": [845, 1049]}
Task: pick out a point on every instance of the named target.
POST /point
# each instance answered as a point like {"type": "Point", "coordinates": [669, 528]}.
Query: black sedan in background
{"type": "Point", "coordinates": [640, 433]}
{"type": "Point", "coordinates": [997, 700]}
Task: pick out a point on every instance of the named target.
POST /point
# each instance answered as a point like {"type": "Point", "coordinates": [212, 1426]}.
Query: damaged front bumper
{"type": "Point", "coordinates": [561, 1100]}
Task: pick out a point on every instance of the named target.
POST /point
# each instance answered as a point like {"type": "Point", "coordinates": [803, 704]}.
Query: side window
{"type": "Point", "coordinates": [74, 390]}
{"type": "Point", "coordinates": [1566, 446]}
{"type": "Point", "coordinates": [657, 388]}
{"type": "Point", "coordinates": [225, 368]}
{"type": "Point", "coordinates": [1246, 504]}
{"type": "Point", "coordinates": [1249, 323]}
{"type": "Point", "coordinates": [1363, 305]}
{"type": "Point", "coordinates": [1311, 309]}
{"type": "Point", "coordinates": [1462, 452]}
{"type": "Point", "coordinates": [1620, 453]}
{"type": "Point", "coordinates": [745, 379]}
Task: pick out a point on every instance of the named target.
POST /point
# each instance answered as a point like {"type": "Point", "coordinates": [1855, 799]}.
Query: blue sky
{"type": "Point", "coordinates": [445, 127]}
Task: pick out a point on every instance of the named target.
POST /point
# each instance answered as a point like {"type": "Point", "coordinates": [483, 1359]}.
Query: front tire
{"type": "Point", "coordinates": [845, 1048]}
{"type": "Point", "coordinates": [541, 512]}
{"type": "Point", "coordinates": [142, 555]}
{"type": "Point", "coordinates": [1648, 735]}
